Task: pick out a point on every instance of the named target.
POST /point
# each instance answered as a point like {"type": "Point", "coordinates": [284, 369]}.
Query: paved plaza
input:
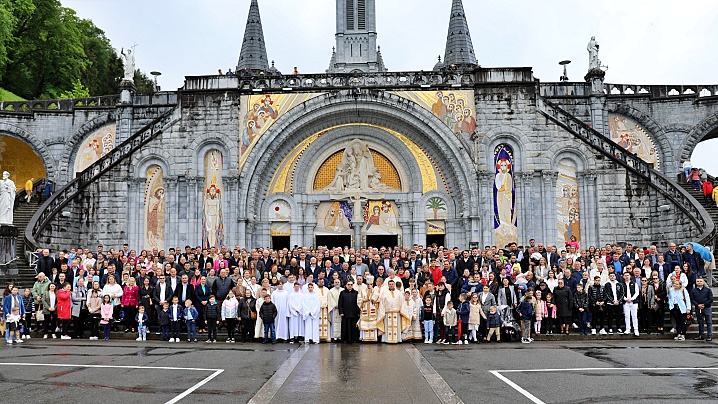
{"type": "Point", "coordinates": [548, 372]}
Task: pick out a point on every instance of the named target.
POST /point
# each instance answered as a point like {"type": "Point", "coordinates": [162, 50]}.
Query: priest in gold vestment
{"type": "Point", "coordinates": [393, 315]}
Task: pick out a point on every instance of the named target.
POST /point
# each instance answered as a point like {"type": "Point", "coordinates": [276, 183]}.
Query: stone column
{"type": "Point", "coordinates": [136, 211]}
{"type": "Point", "coordinates": [358, 224]}
{"type": "Point", "coordinates": [124, 112]}
{"type": "Point", "coordinates": [599, 115]}
{"type": "Point", "coordinates": [548, 206]}
{"type": "Point", "coordinates": [525, 226]}
{"type": "Point", "coordinates": [588, 200]}
{"type": "Point", "coordinates": [194, 195]}
{"type": "Point", "coordinates": [171, 230]}
{"type": "Point", "coordinates": [231, 185]}
{"type": "Point", "coordinates": [486, 210]}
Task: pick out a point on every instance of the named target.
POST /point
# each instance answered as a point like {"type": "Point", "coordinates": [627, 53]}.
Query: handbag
{"type": "Point", "coordinates": [39, 316]}
{"type": "Point", "coordinates": [252, 314]}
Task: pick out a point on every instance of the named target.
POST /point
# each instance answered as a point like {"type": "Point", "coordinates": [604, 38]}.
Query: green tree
{"type": "Point", "coordinates": [78, 91]}
{"type": "Point", "coordinates": [143, 83]}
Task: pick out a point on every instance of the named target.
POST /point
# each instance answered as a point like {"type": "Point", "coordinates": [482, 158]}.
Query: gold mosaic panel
{"type": "Point", "coordinates": [325, 175]}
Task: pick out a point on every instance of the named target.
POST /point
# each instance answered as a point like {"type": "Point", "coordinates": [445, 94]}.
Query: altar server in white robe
{"type": "Point", "coordinates": [280, 297]}
{"type": "Point", "coordinates": [335, 320]}
{"type": "Point", "coordinates": [296, 322]}
{"type": "Point", "coordinates": [311, 309]}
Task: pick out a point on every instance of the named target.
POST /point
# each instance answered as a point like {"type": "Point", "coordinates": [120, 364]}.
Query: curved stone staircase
{"type": "Point", "coordinates": [679, 197]}
{"type": "Point", "coordinates": [50, 210]}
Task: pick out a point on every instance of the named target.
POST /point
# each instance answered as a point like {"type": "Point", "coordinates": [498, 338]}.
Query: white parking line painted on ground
{"type": "Point", "coordinates": [516, 387]}
{"type": "Point", "coordinates": [442, 389]}
{"type": "Point", "coordinates": [272, 386]}
{"type": "Point", "coordinates": [536, 400]}
{"type": "Point", "coordinates": [184, 394]}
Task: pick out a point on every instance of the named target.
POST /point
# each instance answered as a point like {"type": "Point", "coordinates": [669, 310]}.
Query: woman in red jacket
{"type": "Point", "coordinates": [130, 301]}
{"type": "Point", "coordinates": [64, 309]}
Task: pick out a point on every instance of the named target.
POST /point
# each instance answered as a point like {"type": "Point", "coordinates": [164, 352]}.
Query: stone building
{"type": "Point", "coordinates": [359, 155]}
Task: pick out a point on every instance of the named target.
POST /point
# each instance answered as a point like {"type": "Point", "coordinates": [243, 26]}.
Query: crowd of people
{"type": "Point", "coordinates": [391, 295]}
{"type": "Point", "coordinates": [699, 181]}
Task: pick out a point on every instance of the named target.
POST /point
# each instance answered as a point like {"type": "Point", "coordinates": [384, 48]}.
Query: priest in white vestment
{"type": "Point", "coordinates": [335, 320]}
{"type": "Point", "coordinates": [368, 300]}
{"type": "Point", "coordinates": [323, 294]}
{"type": "Point", "coordinates": [393, 315]}
{"type": "Point", "coordinates": [280, 297]}
{"type": "Point", "coordinates": [310, 310]}
{"type": "Point", "coordinates": [296, 321]}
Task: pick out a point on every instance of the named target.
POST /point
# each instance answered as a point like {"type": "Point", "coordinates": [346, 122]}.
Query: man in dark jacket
{"type": "Point", "coordinates": [222, 286]}
{"type": "Point", "coordinates": [596, 302]}
{"type": "Point", "coordinates": [45, 263]}
{"type": "Point", "coordinates": [349, 312]}
{"type": "Point", "coordinates": [695, 260]}
{"type": "Point", "coordinates": [702, 299]}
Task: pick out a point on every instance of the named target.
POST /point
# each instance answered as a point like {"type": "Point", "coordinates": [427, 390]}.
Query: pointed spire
{"type": "Point", "coordinates": [459, 49]}
{"type": "Point", "coordinates": [254, 53]}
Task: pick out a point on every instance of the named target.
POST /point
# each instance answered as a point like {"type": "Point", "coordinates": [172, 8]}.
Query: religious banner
{"type": "Point", "coordinates": [380, 218]}
{"type": "Point", "coordinates": [631, 136]}
{"type": "Point", "coordinates": [280, 229]}
{"type": "Point", "coordinates": [259, 112]}
{"type": "Point", "coordinates": [435, 227]}
{"type": "Point", "coordinates": [213, 215]}
{"type": "Point", "coordinates": [505, 230]}
{"type": "Point", "coordinates": [154, 203]}
{"type": "Point", "coordinates": [567, 206]}
{"type": "Point", "coordinates": [454, 108]}
{"type": "Point", "coordinates": [334, 218]}
{"type": "Point", "coordinates": [96, 145]}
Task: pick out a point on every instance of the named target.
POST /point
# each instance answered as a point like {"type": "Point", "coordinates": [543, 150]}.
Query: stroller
{"type": "Point", "coordinates": [510, 328]}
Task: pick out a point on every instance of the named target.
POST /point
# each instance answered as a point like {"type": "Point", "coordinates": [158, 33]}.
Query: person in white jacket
{"type": "Point", "coordinates": [114, 290]}
{"type": "Point", "coordinates": [630, 307]}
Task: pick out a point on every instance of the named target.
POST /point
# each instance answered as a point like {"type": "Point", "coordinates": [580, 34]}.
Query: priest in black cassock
{"type": "Point", "coordinates": [349, 312]}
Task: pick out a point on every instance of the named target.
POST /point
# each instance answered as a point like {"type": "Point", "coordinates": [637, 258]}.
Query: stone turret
{"type": "Point", "coordinates": [253, 55]}
{"type": "Point", "coordinates": [459, 48]}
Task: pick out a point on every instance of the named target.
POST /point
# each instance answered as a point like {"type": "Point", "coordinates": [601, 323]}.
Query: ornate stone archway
{"type": "Point", "coordinates": [384, 110]}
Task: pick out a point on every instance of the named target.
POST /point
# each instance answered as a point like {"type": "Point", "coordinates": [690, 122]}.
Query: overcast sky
{"type": "Point", "coordinates": [641, 41]}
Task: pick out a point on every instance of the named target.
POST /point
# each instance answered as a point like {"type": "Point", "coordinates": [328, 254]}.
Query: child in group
{"type": "Point", "coordinates": [163, 320]}
{"type": "Point", "coordinates": [229, 314]}
{"type": "Point", "coordinates": [550, 313]}
{"type": "Point", "coordinates": [211, 316]}
{"type": "Point", "coordinates": [493, 323]}
{"type": "Point", "coordinates": [526, 313]}
{"type": "Point", "coordinates": [268, 313]}
{"type": "Point", "coordinates": [427, 317]}
{"type": "Point", "coordinates": [94, 305]}
{"type": "Point", "coordinates": [141, 319]}
{"type": "Point", "coordinates": [450, 322]}
{"type": "Point", "coordinates": [580, 299]}
{"type": "Point", "coordinates": [176, 312]}
{"type": "Point", "coordinates": [190, 318]}
{"type": "Point", "coordinates": [463, 313]}
{"type": "Point", "coordinates": [474, 316]}
{"type": "Point", "coordinates": [13, 321]}
{"type": "Point", "coordinates": [540, 309]}
{"type": "Point", "coordinates": [106, 311]}
{"type": "Point", "coordinates": [29, 302]}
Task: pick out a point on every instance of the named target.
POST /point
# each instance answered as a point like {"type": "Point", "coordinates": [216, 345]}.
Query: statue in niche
{"type": "Point", "coordinates": [7, 198]}
{"type": "Point", "coordinates": [357, 171]}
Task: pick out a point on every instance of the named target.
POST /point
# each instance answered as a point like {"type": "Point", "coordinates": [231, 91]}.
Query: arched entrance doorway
{"type": "Point", "coordinates": [20, 160]}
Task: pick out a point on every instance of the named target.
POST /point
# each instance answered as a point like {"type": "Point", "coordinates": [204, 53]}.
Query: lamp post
{"type": "Point", "coordinates": [563, 63]}
{"type": "Point", "coordinates": [155, 74]}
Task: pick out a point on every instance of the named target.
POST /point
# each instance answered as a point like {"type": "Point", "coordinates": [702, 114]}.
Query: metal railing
{"type": "Point", "coordinates": [22, 194]}
{"type": "Point", "coordinates": [69, 104]}
{"type": "Point", "coordinates": [669, 189]}
{"type": "Point", "coordinates": [54, 205]}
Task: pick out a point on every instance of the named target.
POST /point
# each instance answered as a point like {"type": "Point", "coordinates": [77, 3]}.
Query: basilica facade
{"type": "Point", "coordinates": [360, 156]}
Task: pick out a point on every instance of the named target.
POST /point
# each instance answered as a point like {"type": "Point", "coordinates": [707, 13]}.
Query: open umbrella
{"type": "Point", "coordinates": [700, 249]}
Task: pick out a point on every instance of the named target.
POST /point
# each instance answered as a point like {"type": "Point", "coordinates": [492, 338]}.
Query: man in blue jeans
{"type": "Point", "coordinates": [268, 312]}
{"type": "Point", "coordinates": [702, 298]}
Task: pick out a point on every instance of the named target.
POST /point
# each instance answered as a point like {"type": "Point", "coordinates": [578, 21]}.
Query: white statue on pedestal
{"type": "Point", "coordinates": [357, 171]}
{"type": "Point", "coordinates": [593, 61]}
{"type": "Point", "coordinates": [129, 62]}
{"type": "Point", "coordinates": [7, 198]}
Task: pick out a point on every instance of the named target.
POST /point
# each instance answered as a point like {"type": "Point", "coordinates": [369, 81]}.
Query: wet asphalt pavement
{"type": "Point", "coordinates": [130, 371]}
